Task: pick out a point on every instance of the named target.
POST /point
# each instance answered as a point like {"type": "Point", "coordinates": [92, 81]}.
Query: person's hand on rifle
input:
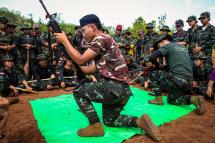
{"type": "Point", "coordinates": [54, 46]}
{"type": "Point", "coordinates": [61, 37]}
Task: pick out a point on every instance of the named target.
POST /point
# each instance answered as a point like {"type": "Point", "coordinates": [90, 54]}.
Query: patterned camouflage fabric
{"type": "Point", "coordinates": [206, 40]}
{"type": "Point", "coordinates": [178, 77]}
{"type": "Point", "coordinates": [200, 76]}
{"type": "Point", "coordinates": [181, 37]}
{"type": "Point", "coordinates": [176, 86]}
{"type": "Point", "coordinates": [111, 89]}
{"type": "Point", "coordinates": [191, 34]}
{"type": "Point", "coordinates": [149, 40]}
{"type": "Point", "coordinates": [13, 77]}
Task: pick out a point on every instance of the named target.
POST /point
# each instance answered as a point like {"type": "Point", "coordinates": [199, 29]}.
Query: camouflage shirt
{"type": "Point", "coordinates": [6, 39]}
{"type": "Point", "coordinates": [109, 61]}
{"type": "Point", "coordinates": [14, 76]}
{"type": "Point", "coordinates": [181, 37]}
{"type": "Point", "coordinates": [149, 40]}
{"type": "Point", "coordinates": [118, 38]}
{"type": "Point", "coordinates": [202, 73]}
{"type": "Point", "coordinates": [191, 34]}
{"type": "Point", "coordinates": [206, 38]}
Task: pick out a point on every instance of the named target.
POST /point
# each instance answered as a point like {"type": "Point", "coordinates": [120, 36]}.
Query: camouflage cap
{"type": "Point", "coordinates": [25, 26]}
{"type": "Point", "coordinates": [191, 18]}
{"type": "Point", "coordinates": [204, 14]}
{"type": "Point", "coordinates": [41, 57]}
{"type": "Point", "coordinates": [199, 55]}
{"type": "Point", "coordinates": [3, 19]}
{"type": "Point", "coordinates": [165, 28]}
{"type": "Point", "coordinates": [7, 58]}
{"type": "Point", "coordinates": [179, 23]}
{"type": "Point", "coordinates": [150, 26]}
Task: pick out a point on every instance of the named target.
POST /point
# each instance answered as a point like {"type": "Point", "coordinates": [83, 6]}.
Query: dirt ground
{"type": "Point", "coordinates": [22, 127]}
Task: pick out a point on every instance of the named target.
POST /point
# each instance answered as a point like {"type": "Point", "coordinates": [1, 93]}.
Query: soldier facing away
{"type": "Point", "coordinates": [175, 77]}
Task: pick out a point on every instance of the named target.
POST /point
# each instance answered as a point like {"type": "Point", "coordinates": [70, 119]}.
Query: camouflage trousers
{"type": "Point", "coordinates": [201, 89]}
{"type": "Point", "coordinates": [174, 85]}
{"type": "Point", "coordinates": [112, 94]}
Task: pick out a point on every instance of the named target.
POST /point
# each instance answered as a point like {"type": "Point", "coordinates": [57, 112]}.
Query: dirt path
{"type": "Point", "coordinates": [22, 127]}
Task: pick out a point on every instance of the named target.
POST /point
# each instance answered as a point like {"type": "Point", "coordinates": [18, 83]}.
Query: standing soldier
{"type": "Point", "coordinates": [192, 31]}
{"type": "Point", "coordinates": [180, 36]}
{"type": "Point", "coordinates": [27, 49]}
{"type": "Point", "coordinates": [3, 22]}
{"type": "Point", "coordinates": [128, 44]}
{"type": "Point", "coordinates": [37, 39]}
{"type": "Point", "coordinates": [150, 36]}
{"type": "Point", "coordinates": [165, 30]}
{"type": "Point", "coordinates": [140, 45]}
{"type": "Point", "coordinates": [205, 38]}
{"type": "Point", "coordinates": [119, 38]}
{"type": "Point", "coordinates": [7, 40]}
{"type": "Point", "coordinates": [12, 49]}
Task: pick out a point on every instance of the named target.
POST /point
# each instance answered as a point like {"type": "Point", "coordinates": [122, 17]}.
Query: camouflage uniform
{"type": "Point", "coordinates": [6, 40]}
{"type": "Point", "coordinates": [42, 73]}
{"type": "Point", "coordinates": [206, 40]}
{"type": "Point", "coordinates": [149, 39]}
{"type": "Point", "coordinates": [12, 77]}
{"type": "Point", "coordinates": [180, 37]}
{"type": "Point", "coordinates": [200, 75]}
{"type": "Point", "coordinates": [177, 78]}
{"type": "Point", "coordinates": [111, 89]}
{"type": "Point", "coordinates": [128, 44]}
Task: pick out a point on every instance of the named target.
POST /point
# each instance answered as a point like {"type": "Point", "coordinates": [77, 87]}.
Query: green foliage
{"type": "Point", "coordinates": [16, 18]}
{"type": "Point", "coordinates": [139, 24]}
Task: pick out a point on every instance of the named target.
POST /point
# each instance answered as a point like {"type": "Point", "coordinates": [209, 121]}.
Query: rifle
{"type": "Point", "coordinates": [80, 75]}
{"type": "Point", "coordinates": [50, 49]}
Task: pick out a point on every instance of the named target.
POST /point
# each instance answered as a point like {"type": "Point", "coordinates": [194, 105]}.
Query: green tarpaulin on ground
{"type": "Point", "coordinates": [58, 118]}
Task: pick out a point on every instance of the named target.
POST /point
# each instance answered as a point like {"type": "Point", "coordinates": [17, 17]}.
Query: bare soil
{"type": "Point", "coordinates": [22, 127]}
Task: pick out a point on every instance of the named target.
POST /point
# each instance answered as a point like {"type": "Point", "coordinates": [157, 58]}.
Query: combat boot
{"type": "Point", "coordinates": [146, 124]}
{"type": "Point", "coordinates": [199, 102]}
{"type": "Point", "coordinates": [158, 101]}
{"type": "Point", "coordinates": [94, 130]}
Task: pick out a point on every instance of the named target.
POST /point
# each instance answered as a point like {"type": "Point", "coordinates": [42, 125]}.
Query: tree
{"type": "Point", "coordinates": [139, 24]}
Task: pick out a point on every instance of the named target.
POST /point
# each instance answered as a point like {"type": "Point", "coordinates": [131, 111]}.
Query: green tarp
{"type": "Point", "coordinates": [58, 118]}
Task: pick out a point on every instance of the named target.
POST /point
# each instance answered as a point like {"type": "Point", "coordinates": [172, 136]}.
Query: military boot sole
{"type": "Point", "coordinates": [149, 127]}
{"type": "Point", "coordinates": [200, 107]}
